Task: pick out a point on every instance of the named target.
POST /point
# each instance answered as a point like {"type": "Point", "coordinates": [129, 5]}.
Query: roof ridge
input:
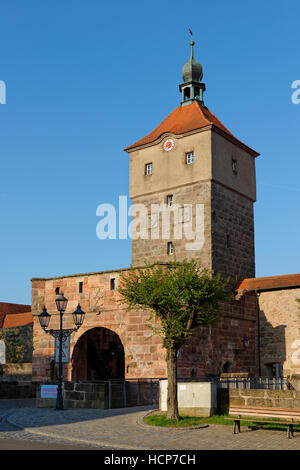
{"type": "Point", "coordinates": [270, 277]}
{"type": "Point", "coordinates": [220, 124]}
{"type": "Point", "coordinates": [199, 106]}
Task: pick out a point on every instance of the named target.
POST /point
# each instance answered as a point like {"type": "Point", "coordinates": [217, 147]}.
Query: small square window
{"type": "Point", "coordinates": [148, 169]}
{"type": "Point", "coordinates": [170, 248]}
{"type": "Point", "coordinates": [112, 284]}
{"type": "Point", "coordinates": [170, 200]}
{"type": "Point", "coordinates": [57, 290]}
{"type": "Point", "coordinates": [234, 166]}
{"type": "Point", "coordinates": [189, 158]}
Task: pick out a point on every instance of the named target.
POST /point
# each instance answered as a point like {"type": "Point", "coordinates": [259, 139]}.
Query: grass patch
{"type": "Point", "coordinates": [160, 419]}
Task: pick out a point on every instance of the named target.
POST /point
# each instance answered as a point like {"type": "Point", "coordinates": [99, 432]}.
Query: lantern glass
{"type": "Point", "coordinates": [61, 303]}
{"type": "Point", "coordinates": [44, 318]}
{"type": "Point", "coordinates": [78, 316]}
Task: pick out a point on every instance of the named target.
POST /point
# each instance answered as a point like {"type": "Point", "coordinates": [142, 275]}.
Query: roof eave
{"type": "Point", "coordinates": [224, 134]}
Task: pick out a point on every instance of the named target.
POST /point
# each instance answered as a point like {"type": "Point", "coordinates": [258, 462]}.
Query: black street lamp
{"type": "Point", "coordinates": [44, 319]}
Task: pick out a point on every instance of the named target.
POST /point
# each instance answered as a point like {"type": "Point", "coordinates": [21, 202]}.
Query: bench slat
{"type": "Point", "coordinates": [262, 413]}
{"type": "Point", "coordinates": [242, 407]}
{"type": "Point", "coordinates": [250, 415]}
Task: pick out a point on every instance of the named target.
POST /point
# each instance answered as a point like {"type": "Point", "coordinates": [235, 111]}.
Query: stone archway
{"type": "Point", "coordinates": [98, 355]}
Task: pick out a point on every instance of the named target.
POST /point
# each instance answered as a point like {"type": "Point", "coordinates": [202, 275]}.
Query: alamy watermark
{"type": "Point", "coordinates": [2, 92]}
{"type": "Point", "coordinates": [156, 222]}
{"type": "Point", "coordinates": [296, 94]}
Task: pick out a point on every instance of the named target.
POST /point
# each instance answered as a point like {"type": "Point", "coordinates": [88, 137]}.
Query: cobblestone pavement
{"type": "Point", "coordinates": [123, 429]}
{"type": "Point", "coordinates": [14, 438]}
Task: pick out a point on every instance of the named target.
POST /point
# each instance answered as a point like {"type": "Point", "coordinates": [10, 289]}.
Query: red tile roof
{"type": "Point", "coordinates": [20, 319]}
{"type": "Point", "coordinates": [7, 309]}
{"type": "Point", "coordinates": [268, 283]}
{"type": "Point", "coordinates": [185, 119]}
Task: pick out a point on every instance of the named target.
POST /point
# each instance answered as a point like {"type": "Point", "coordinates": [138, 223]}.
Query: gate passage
{"type": "Point", "coordinates": [98, 355]}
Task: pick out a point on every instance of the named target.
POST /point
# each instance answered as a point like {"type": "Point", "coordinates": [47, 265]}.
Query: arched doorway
{"type": "Point", "coordinates": [98, 355]}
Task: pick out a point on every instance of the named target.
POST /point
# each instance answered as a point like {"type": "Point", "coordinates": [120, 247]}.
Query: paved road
{"type": "Point", "coordinates": [122, 429]}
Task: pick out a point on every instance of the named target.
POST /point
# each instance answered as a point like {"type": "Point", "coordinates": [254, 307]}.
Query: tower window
{"type": "Point", "coordinates": [112, 284]}
{"type": "Point", "coordinates": [234, 166]}
{"type": "Point", "coordinates": [56, 290]}
{"type": "Point", "coordinates": [228, 241]}
{"type": "Point", "coordinates": [189, 158]}
{"type": "Point", "coordinates": [80, 287]}
{"type": "Point", "coordinates": [148, 169]}
{"type": "Point", "coordinates": [170, 249]}
{"type": "Point", "coordinates": [170, 200]}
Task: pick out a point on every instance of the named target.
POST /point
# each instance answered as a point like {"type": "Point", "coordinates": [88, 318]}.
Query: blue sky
{"type": "Point", "coordinates": [86, 79]}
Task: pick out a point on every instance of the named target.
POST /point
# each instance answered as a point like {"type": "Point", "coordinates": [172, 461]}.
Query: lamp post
{"type": "Point", "coordinates": [44, 319]}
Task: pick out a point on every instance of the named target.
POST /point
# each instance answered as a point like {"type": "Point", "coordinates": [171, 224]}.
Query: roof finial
{"type": "Point", "coordinates": [192, 43]}
{"type": "Point", "coordinates": [192, 73]}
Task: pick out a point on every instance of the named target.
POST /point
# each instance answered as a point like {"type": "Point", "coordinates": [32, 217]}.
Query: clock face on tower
{"type": "Point", "coordinates": [168, 145]}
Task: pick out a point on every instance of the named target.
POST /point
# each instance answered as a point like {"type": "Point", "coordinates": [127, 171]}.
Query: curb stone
{"type": "Point", "coordinates": [140, 421]}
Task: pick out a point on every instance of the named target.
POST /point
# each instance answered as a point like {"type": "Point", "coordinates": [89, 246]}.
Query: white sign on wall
{"type": "Point", "coordinates": [2, 352]}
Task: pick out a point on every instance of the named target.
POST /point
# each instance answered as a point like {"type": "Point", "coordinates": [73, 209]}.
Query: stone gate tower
{"type": "Point", "coordinates": [192, 164]}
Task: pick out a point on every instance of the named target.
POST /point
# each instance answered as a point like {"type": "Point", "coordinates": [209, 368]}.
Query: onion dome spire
{"type": "Point", "coordinates": [192, 74]}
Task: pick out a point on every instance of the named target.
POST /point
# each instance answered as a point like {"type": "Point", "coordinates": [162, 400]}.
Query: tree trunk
{"type": "Point", "coordinates": [172, 402]}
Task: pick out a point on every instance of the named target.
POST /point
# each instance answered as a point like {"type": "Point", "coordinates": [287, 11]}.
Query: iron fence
{"type": "Point", "coordinates": [145, 391]}
{"type": "Point", "coordinates": [132, 392]}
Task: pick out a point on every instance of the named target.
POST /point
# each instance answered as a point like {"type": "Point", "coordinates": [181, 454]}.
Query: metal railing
{"type": "Point", "coordinates": [264, 383]}
{"type": "Point", "coordinates": [132, 392]}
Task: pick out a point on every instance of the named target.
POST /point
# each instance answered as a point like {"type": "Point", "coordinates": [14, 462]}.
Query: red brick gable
{"type": "Point", "coordinates": [185, 119]}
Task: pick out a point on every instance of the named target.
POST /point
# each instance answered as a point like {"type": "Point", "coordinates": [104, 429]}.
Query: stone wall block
{"type": "Point", "coordinates": [253, 393]}
{"type": "Point", "coordinates": [280, 394]}
{"type": "Point", "coordinates": [238, 401]}
{"type": "Point", "coordinates": [84, 387]}
{"type": "Point", "coordinates": [74, 395]}
{"type": "Point", "coordinates": [69, 386]}
{"type": "Point", "coordinates": [258, 402]}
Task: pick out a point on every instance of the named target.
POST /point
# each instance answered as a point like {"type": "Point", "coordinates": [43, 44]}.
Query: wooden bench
{"type": "Point", "coordinates": [289, 416]}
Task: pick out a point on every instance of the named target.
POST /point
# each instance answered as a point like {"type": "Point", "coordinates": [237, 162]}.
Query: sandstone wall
{"type": "Point", "coordinates": [144, 356]}
{"type": "Point", "coordinates": [211, 351]}
{"type": "Point", "coordinates": [220, 347]}
{"type": "Point", "coordinates": [151, 250]}
{"type": "Point", "coordinates": [232, 233]}
{"type": "Point", "coordinates": [279, 331]}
